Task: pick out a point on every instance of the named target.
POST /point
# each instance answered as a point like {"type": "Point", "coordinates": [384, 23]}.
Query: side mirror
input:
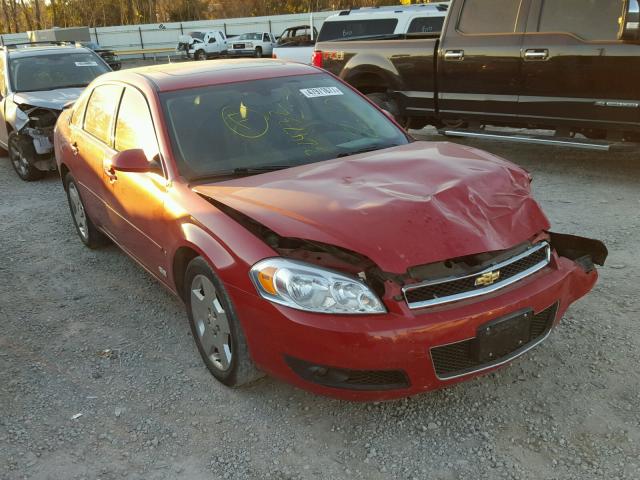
{"type": "Point", "coordinates": [134, 160]}
{"type": "Point", "coordinates": [630, 22]}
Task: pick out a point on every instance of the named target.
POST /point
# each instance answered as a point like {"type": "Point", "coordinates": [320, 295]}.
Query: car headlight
{"type": "Point", "coordinates": [307, 287]}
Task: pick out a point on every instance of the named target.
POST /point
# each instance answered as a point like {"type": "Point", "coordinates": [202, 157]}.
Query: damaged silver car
{"type": "Point", "coordinates": [36, 82]}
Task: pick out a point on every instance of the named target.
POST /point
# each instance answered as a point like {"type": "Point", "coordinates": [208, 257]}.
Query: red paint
{"type": "Point", "coordinates": [401, 207]}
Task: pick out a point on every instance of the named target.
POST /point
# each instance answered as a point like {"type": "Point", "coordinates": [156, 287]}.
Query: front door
{"type": "Point", "coordinates": [479, 60]}
{"type": "Point", "coordinates": [136, 200]}
{"type": "Point", "coordinates": [575, 71]}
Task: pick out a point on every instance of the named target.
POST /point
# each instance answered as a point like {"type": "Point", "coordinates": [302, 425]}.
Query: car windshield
{"type": "Point", "coordinates": [250, 36]}
{"type": "Point", "coordinates": [53, 71]}
{"type": "Point", "coordinates": [272, 123]}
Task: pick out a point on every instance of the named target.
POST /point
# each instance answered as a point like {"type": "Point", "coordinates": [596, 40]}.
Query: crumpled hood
{"type": "Point", "coordinates": [54, 99]}
{"type": "Point", "coordinates": [401, 207]}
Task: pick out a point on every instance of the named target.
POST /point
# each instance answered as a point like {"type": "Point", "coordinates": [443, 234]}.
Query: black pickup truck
{"type": "Point", "coordinates": [572, 66]}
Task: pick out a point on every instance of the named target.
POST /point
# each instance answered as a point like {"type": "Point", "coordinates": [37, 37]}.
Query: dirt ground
{"type": "Point", "coordinates": [100, 379]}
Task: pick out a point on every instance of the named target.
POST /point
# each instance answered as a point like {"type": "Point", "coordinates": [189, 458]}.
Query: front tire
{"type": "Point", "coordinates": [200, 55]}
{"type": "Point", "coordinates": [22, 154]}
{"type": "Point", "coordinates": [216, 328]}
{"type": "Point", "coordinates": [86, 229]}
{"type": "Point", "coordinates": [258, 53]}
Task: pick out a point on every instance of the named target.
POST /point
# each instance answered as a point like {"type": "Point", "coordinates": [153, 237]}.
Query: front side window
{"type": "Point", "coordinates": [134, 127]}
{"type": "Point", "coordinates": [212, 40]}
{"type": "Point", "coordinates": [489, 16]}
{"type": "Point", "coordinates": [587, 19]}
{"type": "Point", "coordinates": [339, 30]}
{"type": "Point", "coordinates": [101, 108]}
{"type": "Point", "coordinates": [284, 121]}
{"type": "Point", "coordinates": [55, 71]}
{"type": "Point", "coordinates": [426, 25]}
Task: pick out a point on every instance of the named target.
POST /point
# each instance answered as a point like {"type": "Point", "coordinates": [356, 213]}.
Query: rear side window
{"type": "Point", "coordinates": [338, 30]}
{"type": "Point", "coordinates": [587, 19]}
{"type": "Point", "coordinates": [100, 111]}
{"type": "Point", "coordinates": [490, 16]}
{"type": "Point", "coordinates": [134, 127]}
{"type": "Point", "coordinates": [426, 25]}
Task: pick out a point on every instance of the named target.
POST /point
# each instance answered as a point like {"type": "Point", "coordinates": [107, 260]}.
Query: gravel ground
{"type": "Point", "coordinates": [100, 378]}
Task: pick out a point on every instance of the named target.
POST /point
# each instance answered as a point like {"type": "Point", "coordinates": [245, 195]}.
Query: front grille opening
{"type": "Point", "coordinates": [461, 358]}
{"type": "Point", "coordinates": [438, 292]}
{"type": "Point", "coordinates": [348, 379]}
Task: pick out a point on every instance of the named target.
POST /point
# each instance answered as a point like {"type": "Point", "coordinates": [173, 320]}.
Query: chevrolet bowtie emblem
{"type": "Point", "coordinates": [488, 278]}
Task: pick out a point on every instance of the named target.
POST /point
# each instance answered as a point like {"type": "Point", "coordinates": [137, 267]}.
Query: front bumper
{"type": "Point", "coordinates": [241, 52]}
{"type": "Point", "coordinates": [398, 341]}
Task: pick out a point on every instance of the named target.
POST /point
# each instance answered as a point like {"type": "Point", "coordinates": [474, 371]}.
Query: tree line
{"type": "Point", "coordinates": [22, 15]}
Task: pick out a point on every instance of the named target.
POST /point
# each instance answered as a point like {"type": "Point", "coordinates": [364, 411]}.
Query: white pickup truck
{"type": "Point", "coordinates": [201, 45]}
{"type": "Point", "coordinates": [296, 44]}
{"type": "Point", "coordinates": [255, 44]}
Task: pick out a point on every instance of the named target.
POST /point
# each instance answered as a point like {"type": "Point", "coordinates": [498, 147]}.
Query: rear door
{"type": "Point", "coordinates": [479, 60]}
{"type": "Point", "coordinates": [91, 139]}
{"type": "Point", "coordinates": [575, 71]}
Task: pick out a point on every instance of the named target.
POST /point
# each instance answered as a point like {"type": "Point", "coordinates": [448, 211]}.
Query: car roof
{"type": "Point", "coordinates": [435, 9]}
{"type": "Point", "coordinates": [184, 75]}
{"type": "Point", "coordinates": [28, 50]}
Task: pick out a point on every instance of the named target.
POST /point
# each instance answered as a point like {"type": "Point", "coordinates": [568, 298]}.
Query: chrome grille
{"type": "Point", "coordinates": [427, 294]}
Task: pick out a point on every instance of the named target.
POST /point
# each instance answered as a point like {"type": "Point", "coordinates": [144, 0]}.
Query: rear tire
{"type": "Point", "coordinates": [216, 328]}
{"type": "Point", "coordinates": [86, 229]}
{"type": "Point", "coordinates": [22, 153]}
{"type": "Point", "coordinates": [384, 101]}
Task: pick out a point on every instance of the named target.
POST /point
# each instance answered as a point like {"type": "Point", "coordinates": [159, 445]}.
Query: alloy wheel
{"type": "Point", "coordinates": [77, 209]}
{"type": "Point", "coordinates": [211, 323]}
{"type": "Point", "coordinates": [18, 158]}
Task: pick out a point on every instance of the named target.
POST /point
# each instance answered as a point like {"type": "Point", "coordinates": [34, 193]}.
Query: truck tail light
{"type": "Point", "coordinates": [316, 58]}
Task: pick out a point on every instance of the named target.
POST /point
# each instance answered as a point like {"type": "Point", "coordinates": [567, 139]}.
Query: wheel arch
{"type": "Point", "coordinates": [371, 74]}
{"type": "Point", "coordinates": [197, 243]}
{"type": "Point", "coordinates": [63, 173]}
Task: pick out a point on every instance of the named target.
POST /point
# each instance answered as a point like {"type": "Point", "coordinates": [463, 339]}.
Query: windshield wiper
{"type": "Point", "coordinates": [77, 85]}
{"type": "Point", "coordinates": [371, 148]}
{"type": "Point", "coordinates": [241, 172]}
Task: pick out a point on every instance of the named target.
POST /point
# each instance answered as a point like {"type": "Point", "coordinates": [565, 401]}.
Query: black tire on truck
{"type": "Point", "coordinates": [384, 101]}
{"type": "Point", "coordinates": [200, 55]}
{"type": "Point", "coordinates": [22, 154]}
{"type": "Point", "coordinates": [258, 53]}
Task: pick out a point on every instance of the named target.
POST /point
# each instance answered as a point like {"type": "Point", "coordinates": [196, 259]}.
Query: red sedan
{"type": "Point", "coordinates": [308, 235]}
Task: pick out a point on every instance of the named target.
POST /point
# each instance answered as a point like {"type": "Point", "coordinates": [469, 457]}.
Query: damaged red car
{"type": "Point", "coordinates": [309, 236]}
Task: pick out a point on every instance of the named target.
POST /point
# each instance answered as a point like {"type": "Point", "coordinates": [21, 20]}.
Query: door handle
{"type": "Point", "coordinates": [110, 172]}
{"type": "Point", "coordinates": [74, 148]}
{"type": "Point", "coordinates": [536, 54]}
{"type": "Point", "coordinates": [454, 55]}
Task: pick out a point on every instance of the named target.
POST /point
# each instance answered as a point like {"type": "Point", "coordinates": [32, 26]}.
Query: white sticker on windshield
{"type": "Point", "coordinates": [86, 64]}
{"type": "Point", "coordinates": [320, 92]}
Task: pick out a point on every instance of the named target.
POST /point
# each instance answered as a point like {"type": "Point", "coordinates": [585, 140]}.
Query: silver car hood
{"type": "Point", "coordinates": [54, 99]}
